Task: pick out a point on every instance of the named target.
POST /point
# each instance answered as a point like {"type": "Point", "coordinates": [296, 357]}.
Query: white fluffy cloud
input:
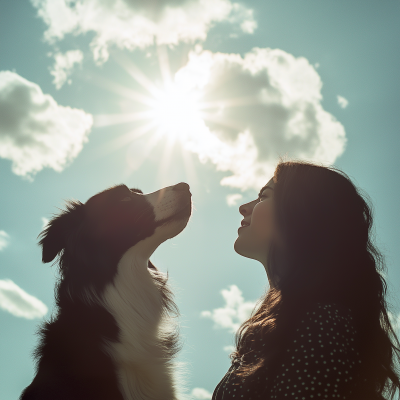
{"type": "Point", "coordinates": [4, 240]}
{"type": "Point", "coordinates": [202, 394]}
{"type": "Point", "coordinates": [133, 24]}
{"type": "Point", "coordinates": [45, 221]}
{"type": "Point", "coordinates": [235, 311]}
{"type": "Point", "coordinates": [19, 303]}
{"type": "Point", "coordinates": [63, 66]}
{"type": "Point", "coordinates": [229, 348]}
{"type": "Point", "coordinates": [232, 199]}
{"type": "Point", "coordinates": [342, 101]}
{"type": "Point", "coordinates": [36, 132]}
{"type": "Point", "coordinates": [257, 108]}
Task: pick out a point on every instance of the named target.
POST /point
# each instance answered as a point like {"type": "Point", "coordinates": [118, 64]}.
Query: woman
{"type": "Point", "coordinates": [322, 330]}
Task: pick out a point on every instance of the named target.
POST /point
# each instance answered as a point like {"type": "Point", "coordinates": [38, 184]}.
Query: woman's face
{"type": "Point", "coordinates": [257, 228]}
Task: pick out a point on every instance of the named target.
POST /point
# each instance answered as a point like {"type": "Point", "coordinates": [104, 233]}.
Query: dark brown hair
{"type": "Point", "coordinates": [328, 255]}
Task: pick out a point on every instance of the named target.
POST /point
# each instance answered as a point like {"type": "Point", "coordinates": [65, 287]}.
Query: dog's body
{"type": "Point", "coordinates": [113, 337]}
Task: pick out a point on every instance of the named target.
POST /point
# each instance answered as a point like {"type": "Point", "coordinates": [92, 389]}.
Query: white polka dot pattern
{"type": "Point", "coordinates": [320, 362]}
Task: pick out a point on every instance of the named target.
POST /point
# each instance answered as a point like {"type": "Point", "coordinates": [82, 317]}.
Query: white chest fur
{"type": "Point", "coordinates": [134, 299]}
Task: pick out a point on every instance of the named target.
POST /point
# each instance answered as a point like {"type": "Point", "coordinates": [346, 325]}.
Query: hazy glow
{"type": "Point", "coordinates": [176, 111]}
{"type": "Point", "coordinates": [239, 113]}
{"type": "Point", "coordinates": [173, 110]}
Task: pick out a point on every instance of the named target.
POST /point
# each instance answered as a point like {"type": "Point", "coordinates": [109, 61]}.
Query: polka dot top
{"type": "Point", "coordinates": [320, 362]}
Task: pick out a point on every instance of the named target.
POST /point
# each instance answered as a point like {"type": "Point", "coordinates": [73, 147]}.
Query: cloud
{"type": "Point", "coordinates": [45, 221]}
{"type": "Point", "coordinates": [229, 348]}
{"type": "Point", "coordinates": [131, 24]}
{"type": "Point", "coordinates": [63, 66]}
{"type": "Point", "coordinates": [4, 240]}
{"type": "Point", "coordinates": [256, 108]}
{"type": "Point", "coordinates": [234, 312]}
{"type": "Point", "coordinates": [342, 101]}
{"type": "Point", "coordinates": [36, 132]}
{"type": "Point", "coordinates": [232, 199]}
{"type": "Point", "coordinates": [203, 394]}
{"type": "Point", "coordinates": [243, 16]}
{"type": "Point", "coordinates": [19, 303]}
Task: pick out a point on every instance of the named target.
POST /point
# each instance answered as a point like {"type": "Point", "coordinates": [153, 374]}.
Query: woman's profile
{"type": "Point", "coordinates": [322, 329]}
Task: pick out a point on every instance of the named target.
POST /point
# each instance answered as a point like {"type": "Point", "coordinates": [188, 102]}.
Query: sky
{"type": "Point", "coordinates": [209, 92]}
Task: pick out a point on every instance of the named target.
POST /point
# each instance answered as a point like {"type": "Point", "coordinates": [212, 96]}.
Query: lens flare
{"type": "Point", "coordinates": [173, 112]}
{"type": "Point", "coordinates": [176, 111]}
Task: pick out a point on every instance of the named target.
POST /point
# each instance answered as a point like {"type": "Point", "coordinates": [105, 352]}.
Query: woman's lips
{"type": "Point", "coordinates": [243, 224]}
{"type": "Point", "coordinates": [242, 227]}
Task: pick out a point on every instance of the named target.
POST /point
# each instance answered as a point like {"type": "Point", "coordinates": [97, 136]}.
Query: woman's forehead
{"type": "Point", "coordinates": [270, 184]}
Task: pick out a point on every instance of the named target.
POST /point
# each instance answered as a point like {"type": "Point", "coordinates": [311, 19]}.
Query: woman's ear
{"type": "Point", "coordinates": [53, 238]}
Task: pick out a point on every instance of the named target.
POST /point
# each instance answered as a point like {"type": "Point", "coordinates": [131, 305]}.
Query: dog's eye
{"type": "Point", "coordinates": [127, 198]}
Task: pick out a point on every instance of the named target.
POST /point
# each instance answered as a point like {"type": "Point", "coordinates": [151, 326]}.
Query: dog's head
{"type": "Point", "coordinates": [91, 237]}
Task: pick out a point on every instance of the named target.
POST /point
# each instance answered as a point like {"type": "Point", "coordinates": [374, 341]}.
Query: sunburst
{"type": "Point", "coordinates": [175, 111]}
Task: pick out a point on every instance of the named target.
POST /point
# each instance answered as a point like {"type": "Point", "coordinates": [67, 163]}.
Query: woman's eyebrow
{"type": "Point", "coordinates": [264, 188]}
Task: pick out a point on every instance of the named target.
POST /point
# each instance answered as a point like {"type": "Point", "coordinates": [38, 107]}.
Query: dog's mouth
{"type": "Point", "coordinates": [184, 212]}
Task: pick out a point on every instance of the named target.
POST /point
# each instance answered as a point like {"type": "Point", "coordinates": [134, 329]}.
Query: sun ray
{"type": "Point", "coordinates": [230, 103]}
{"type": "Point", "coordinates": [163, 63]}
{"type": "Point", "coordinates": [222, 121]}
{"type": "Point", "coordinates": [137, 75]}
{"type": "Point", "coordinates": [115, 119]}
{"type": "Point", "coordinates": [134, 134]}
{"type": "Point", "coordinates": [121, 141]}
{"type": "Point", "coordinates": [190, 170]}
{"type": "Point", "coordinates": [123, 91]}
{"type": "Point", "coordinates": [174, 111]}
{"type": "Point", "coordinates": [134, 164]}
{"type": "Point", "coordinates": [165, 160]}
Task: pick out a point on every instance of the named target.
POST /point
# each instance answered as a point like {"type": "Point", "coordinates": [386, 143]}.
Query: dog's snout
{"type": "Point", "coordinates": [181, 186]}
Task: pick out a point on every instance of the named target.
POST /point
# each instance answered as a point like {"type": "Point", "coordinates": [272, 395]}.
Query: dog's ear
{"type": "Point", "coordinates": [53, 238]}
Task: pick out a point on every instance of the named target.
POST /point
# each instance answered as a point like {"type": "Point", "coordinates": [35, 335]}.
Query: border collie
{"type": "Point", "coordinates": [114, 336]}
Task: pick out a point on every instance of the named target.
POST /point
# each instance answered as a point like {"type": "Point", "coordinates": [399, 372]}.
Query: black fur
{"type": "Point", "coordinates": [89, 240]}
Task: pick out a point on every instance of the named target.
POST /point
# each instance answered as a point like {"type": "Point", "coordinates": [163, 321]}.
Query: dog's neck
{"type": "Point", "coordinates": [135, 301]}
{"type": "Point", "coordinates": [142, 251]}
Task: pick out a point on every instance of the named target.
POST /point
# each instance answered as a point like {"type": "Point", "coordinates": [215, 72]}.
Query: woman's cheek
{"type": "Point", "coordinates": [262, 219]}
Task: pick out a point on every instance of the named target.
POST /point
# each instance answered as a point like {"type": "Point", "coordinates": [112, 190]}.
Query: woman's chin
{"type": "Point", "coordinates": [239, 248]}
{"type": "Point", "coordinates": [236, 246]}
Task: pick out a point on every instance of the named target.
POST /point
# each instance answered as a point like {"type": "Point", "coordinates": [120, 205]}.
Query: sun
{"type": "Point", "coordinates": [176, 110]}
{"type": "Point", "coordinates": [173, 112]}
{"type": "Point", "coordinates": [171, 108]}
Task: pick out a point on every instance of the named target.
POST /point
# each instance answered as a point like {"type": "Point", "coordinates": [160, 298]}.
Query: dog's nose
{"type": "Point", "coordinates": [181, 186]}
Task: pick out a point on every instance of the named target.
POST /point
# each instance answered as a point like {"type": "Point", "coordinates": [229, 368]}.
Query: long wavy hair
{"type": "Point", "coordinates": [328, 255]}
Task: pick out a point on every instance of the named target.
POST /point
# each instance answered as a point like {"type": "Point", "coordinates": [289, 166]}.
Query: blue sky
{"type": "Point", "coordinates": [82, 107]}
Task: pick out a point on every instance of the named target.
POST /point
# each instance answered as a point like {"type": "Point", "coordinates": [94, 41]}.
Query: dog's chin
{"type": "Point", "coordinates": [174, 225]}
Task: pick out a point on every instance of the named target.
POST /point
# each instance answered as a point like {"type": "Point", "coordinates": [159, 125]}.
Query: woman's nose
{"type": "Point", "coordinates": [245, 209]}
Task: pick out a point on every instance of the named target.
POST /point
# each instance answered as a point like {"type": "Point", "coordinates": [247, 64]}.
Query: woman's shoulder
{"type": "Point", "coordinates": [327, 305]}
{"type": "Point", "coordinates": [327, 316]}
{"type": "Point", "coordinates": [321, 356]}
{"type": "Point", "coordinates": [328, 308]}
